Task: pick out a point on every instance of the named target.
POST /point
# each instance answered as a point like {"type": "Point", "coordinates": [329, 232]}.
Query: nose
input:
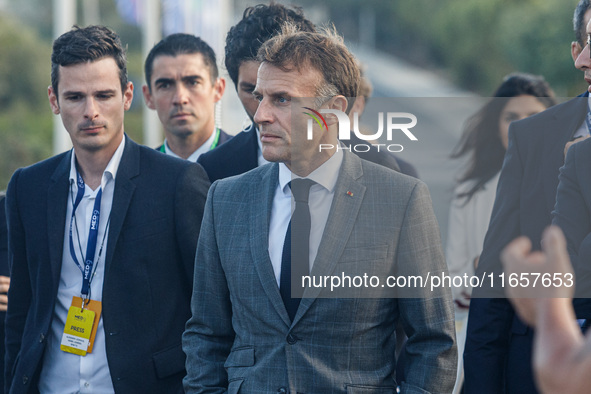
{"type": "Point", "coordinates": [263, 114]}
{"type": "Point", "coordinates": [583, 61]}
{"type": "Point", "coordinates": [180, 95]}
{"type": "Point", "coordinates": [90, 110]}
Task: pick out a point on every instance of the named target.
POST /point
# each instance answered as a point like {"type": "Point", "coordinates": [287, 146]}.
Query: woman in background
{"type": "Point", "coordinates": [485, 140]}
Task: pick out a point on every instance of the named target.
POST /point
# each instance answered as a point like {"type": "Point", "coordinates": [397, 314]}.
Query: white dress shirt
{"type": "Point", "coordinates": [320, 201]}
{"type": "Point", "coordinates": [206, 146]}
{"type": "Point", "coordinates": [64, 372]}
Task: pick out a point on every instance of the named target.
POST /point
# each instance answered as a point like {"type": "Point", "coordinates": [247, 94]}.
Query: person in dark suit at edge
{"type": "Point", "coordinates": [497, 356]}
{"type": "Point", "coordinates": [101, 241]}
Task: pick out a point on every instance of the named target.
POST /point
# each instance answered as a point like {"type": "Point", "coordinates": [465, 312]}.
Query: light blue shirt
{"type": "Point", "coordinates": [320, 201]}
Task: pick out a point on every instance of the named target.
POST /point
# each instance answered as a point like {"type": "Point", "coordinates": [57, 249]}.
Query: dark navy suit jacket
{"type": "Point", "coordinates": [497, 357]}
{"type": "Point", "coordinates": [235, 157]}
{"type": "Point", "coordinates": [240, 155]}
{"type": "Point", "coordinates": [4, 272]}
{"type": "Point", "coordinates": [573, 213]}
{"type": "Point", "coordinates": [155, 218]}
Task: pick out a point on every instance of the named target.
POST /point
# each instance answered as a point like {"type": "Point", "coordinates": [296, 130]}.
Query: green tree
{"type": "Point", "coordinates": [539, 42]}
{"type": "Point", "coordinates": [25, 118]}
{"type": "Point", "coordinates": [473, 42]}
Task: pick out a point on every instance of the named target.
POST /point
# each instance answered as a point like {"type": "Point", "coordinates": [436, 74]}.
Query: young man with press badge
{"type": "Point", "coordinates": [101, 241]}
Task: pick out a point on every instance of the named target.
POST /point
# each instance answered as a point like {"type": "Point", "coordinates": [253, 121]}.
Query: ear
{"type": "Point", "coordinates": [575, 50]}
{"type": "Point", "coordinates": [148, 97]}
{"type": "Point", "coordinates": [219, 88]}
{"type": "Point", "coordinates": [128, 96]}
{"type": "Point", "coordinates": [339, 103]}
{"type": "Point", "coordinates": [53, 101]}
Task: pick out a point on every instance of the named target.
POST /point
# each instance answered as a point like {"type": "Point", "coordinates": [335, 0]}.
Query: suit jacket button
{"type": "Point", "coordinates": [25, 379]}
{"type": "Point", "coordinates": [291, 339]}
{"type": "Point", "coordinates": [41, 338]}
{"type": "Point", "coordinates": [282, 390]}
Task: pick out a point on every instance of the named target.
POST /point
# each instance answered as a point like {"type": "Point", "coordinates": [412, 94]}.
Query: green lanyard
{"type": "Point", "coordinates": [216, 139]}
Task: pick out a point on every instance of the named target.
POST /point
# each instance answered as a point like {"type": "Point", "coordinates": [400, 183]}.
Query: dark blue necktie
{"type": "Point", "coordinates": [296, 247]}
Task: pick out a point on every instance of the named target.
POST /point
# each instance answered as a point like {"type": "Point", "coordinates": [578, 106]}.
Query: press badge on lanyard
{"type": "Point", "coordinates": [84, 313]}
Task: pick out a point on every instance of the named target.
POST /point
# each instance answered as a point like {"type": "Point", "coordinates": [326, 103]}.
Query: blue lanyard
{"type": "Point", "coordinates": [92, 236]}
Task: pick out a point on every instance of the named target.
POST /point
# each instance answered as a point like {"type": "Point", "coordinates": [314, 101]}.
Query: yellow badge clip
{"type": "Point", "coordinates": [81, 325]}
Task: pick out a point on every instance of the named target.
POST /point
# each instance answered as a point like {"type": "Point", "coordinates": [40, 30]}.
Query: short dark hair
{"type": "Point", "coordinates": [579, 21]}
{"type": "Point", "coordinates": [323, 51]}
{"type": "Point", "coordinates": [258, 24]}
{"type": "Point", "coordinates": [181, 44]}
{"type": "Point", "coordinates": [87, 44]}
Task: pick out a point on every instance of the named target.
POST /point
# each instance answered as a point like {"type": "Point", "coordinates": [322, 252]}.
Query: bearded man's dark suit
{"type": "Point", "coordinates": [497, 357]}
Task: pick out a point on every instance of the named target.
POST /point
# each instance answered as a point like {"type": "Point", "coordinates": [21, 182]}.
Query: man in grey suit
{"type": "Point", "coordinates": [247, 332]}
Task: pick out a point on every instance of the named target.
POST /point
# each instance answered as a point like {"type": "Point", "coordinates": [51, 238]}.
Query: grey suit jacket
{"type": "Point", "coordinates": [240, 338]}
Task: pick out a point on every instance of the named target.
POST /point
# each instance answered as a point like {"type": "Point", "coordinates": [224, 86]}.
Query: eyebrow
{"type": "Point", "coordinates": [71, 92]}
{"type": "Point", "coordinates": [106, 91]}
{"type": "Point", "coordinates": [163, 80]}
{"type": "Point", "coordinates": [75, 92]}
{"type": "Point", "coordinates": [244, 85]}
{"type": "Point", "coordinates": [280, 94]}
{"type": "Point", "coordinates": [191, 77]}
{"type": "Point", "coordinates": [274, 94]}
{"type": "Point", "coordinates": [183, 79]}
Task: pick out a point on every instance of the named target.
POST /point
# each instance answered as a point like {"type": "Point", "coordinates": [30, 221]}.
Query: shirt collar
{"type": "Point", "coordinates": [326, 175]}
{"type": "Point", "coordinates": [195, 155]}
{"type": "Point", "coordinates": [110, 171]}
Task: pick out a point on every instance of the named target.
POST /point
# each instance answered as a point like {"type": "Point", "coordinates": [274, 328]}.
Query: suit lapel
{"type": "Point", "coordinates": [349, 193]}
{"type": "Point", "coordinates": [57, 203]}
{"type": "Point", "coordinates": [261, 198]}
{"type": "Point", "coordinates": [566, 122]}
{"type": "Point", "coordinates": [129, 167]}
